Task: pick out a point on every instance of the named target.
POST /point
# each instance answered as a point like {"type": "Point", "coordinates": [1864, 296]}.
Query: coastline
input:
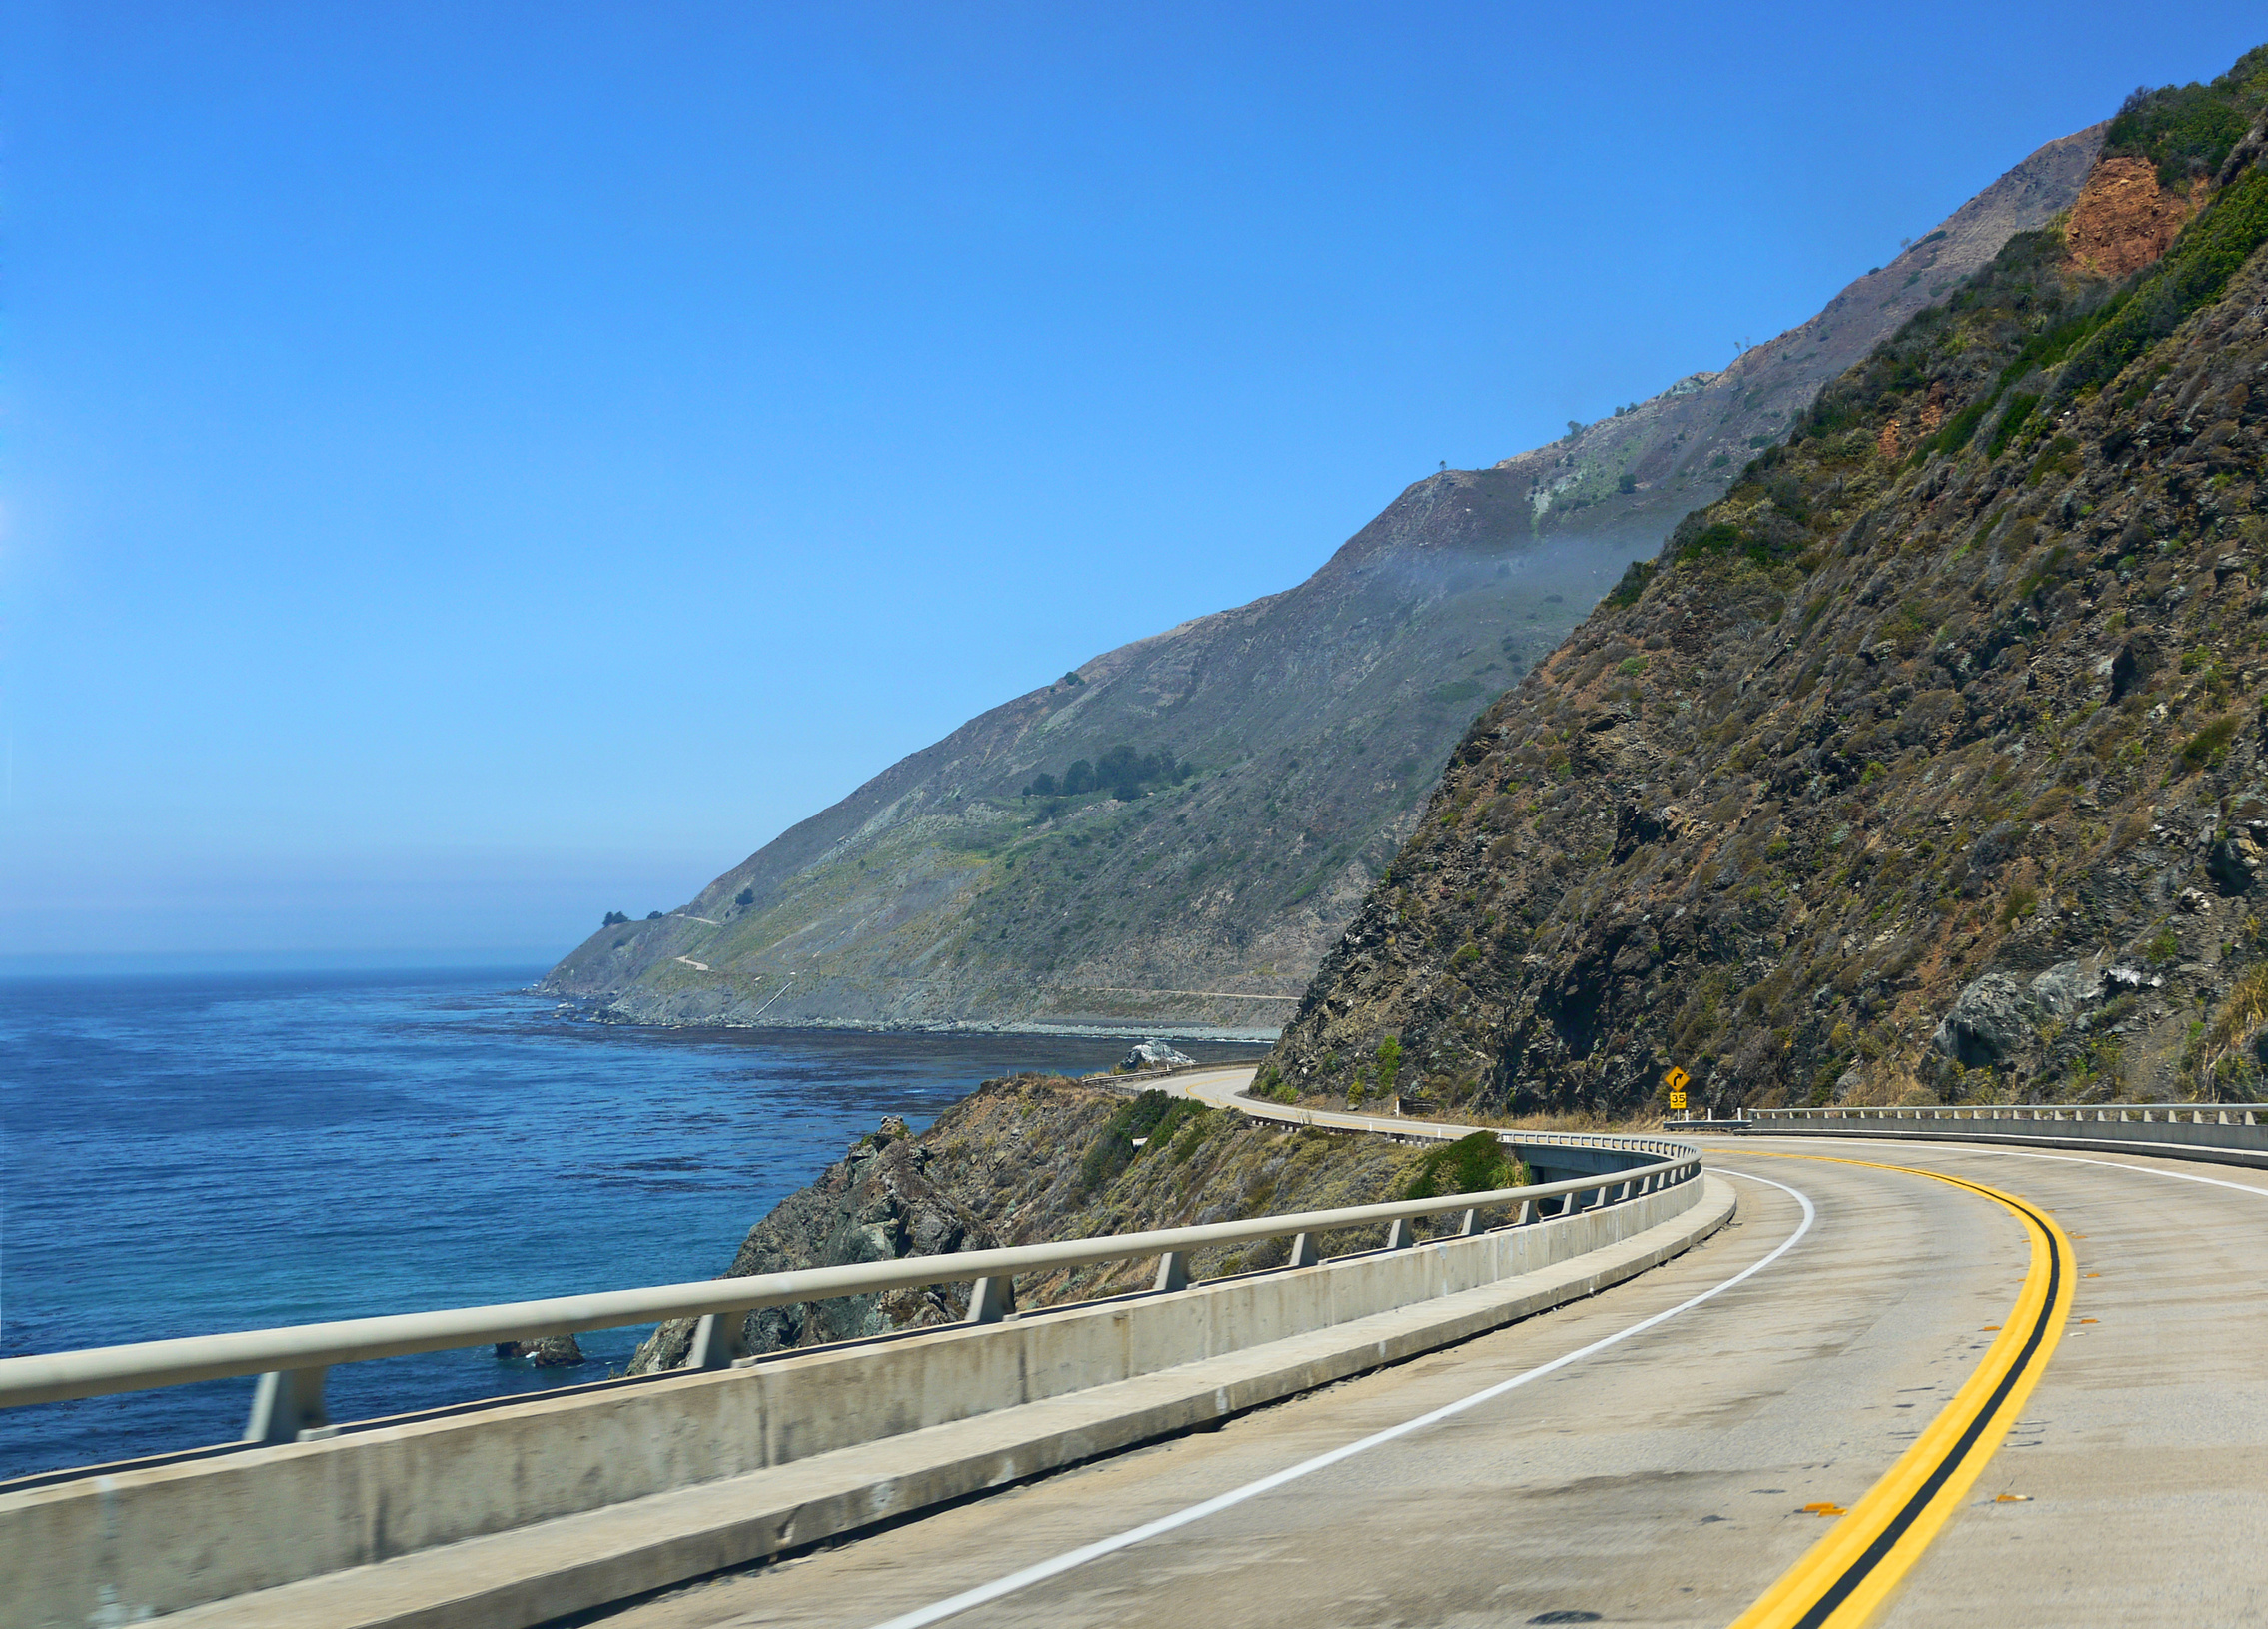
{"type": "Point", "coordinates": [598, 1011]}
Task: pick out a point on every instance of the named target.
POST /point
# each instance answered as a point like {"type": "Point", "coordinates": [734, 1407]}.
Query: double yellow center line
{"type": "Point", "coordinates": [1845, 1577]}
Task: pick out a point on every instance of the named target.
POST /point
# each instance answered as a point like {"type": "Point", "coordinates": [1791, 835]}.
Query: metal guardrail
{"type": "Point", "coordinates": [294, 1361]}
{"type": "Point", "coordinates": [2081, 1114]}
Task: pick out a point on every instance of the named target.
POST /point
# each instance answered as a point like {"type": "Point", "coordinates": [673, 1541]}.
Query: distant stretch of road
{"type": "Point", "coordinates": [1677, 1475]}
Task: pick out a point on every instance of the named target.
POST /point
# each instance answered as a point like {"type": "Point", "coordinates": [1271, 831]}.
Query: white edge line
{"type": "Point", "coordinates": [955, 1605]}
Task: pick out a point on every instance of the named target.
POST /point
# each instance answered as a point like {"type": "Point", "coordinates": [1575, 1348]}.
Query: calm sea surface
{"type": "Point", "coordinates": [184, 1156]}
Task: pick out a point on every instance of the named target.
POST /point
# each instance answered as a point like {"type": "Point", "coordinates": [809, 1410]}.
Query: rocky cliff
{"type": "Point", "coordinates": [1926, 763]}
{"type": "Point", "coordinates": [1173, 835]}
{"type": "Point", "coordinates": [1036, 1158]}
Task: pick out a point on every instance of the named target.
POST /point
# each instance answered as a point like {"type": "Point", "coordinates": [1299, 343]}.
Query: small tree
{"type": "Point", "coordinates": [615, 919]}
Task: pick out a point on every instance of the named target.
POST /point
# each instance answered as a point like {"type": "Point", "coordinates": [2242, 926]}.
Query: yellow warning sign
{"type": "Point", "coordinates": [1676, 1079]}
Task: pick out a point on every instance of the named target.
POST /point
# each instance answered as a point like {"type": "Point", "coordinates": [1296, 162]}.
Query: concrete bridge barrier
{"type": "Point", "coordinates": [534, 1507]}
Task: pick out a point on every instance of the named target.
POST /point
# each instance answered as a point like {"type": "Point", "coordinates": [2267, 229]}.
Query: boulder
{"type": "Point", "coordinates": [1153, 1055]}
{"type": "Point", "coordinates": [551, 1352]}
{"type": "Point", "coordinates": [1990, 1020]}
{"type": "Point", "coordinates": [2067, 988]}
{"type": "Point", "coordinates": [2235, 863]}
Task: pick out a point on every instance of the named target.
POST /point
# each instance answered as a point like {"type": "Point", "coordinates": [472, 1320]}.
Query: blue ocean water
{"type": "Point", "coordinates": [186, 1154]}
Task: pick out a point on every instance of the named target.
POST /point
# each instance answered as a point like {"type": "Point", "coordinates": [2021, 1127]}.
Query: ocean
{"type": "Point", "coordinates": [184, 1156]}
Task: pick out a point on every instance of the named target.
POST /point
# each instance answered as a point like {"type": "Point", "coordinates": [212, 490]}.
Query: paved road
{"type": "Point", "coordinates": [1663, 1479]}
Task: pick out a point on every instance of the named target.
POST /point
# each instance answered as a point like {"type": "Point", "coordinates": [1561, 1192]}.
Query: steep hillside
{"type": "Point", "coordinates": [1926, 763]}
{"type": "Point", "coordinates": [1235, 784]}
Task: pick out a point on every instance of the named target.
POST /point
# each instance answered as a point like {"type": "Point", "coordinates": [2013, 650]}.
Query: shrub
{"type": "Point", "coordinates": [1388, 1064]}
{"type": "Point", "coordinates": [1477, 1164]}
{"type": "Point", "coordinates": [2164, 950]}
{"type": "Point", "coordinates": [2207, 744]}
{"type": "Point", "coordinates": [653, 916]}
{"type": "Point", "coordinates": [1153, 1116]}
{"type": "Point", "coordinates": [745, 899]}
{"type": "Point", "coordinates": [1634, 578]}
{"type": "Point", "coordinates": [1630, 666]}
{"type": "Point", "coordinates": [615, 919]}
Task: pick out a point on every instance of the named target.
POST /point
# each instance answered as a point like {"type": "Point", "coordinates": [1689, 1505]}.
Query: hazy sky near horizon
{"type": "Point", "coordinates": [470, 468]}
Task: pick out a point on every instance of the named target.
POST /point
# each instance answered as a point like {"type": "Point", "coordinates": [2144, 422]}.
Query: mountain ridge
{"type": "Point", "coordinates": [1305, 726]}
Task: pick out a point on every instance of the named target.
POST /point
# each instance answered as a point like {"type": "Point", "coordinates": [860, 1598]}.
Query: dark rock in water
{"type": "Point", "coordinates": [1989, 1021]}
{"type": "Point", "coordinates": [551, 1352]}
{"type": "Point", "coordinates": [1153, 1055]}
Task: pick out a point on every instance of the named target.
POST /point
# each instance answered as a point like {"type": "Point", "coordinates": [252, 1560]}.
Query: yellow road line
{"type": "Point", "coordinates": [1848, 1576]}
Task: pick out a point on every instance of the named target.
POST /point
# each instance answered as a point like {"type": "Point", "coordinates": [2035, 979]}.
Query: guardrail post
{"type": "Point", "coordinates": [284, 1403]}
{"type": "Point", "coordinates": [717, 1339]}
{"type": "Point", "coordinates": [1470, 1226]}
{"type": "Point", "coordinates": [1402, 1234]}
{"type": "Point", "coordinates": [1173, 1271]}
{"type": "Point", "coordinates": [991, 1300]}
{"type": "Point", "coordinates": [1305, 1253]}
{"type": "Point", "coordinates": [1527, 1214]}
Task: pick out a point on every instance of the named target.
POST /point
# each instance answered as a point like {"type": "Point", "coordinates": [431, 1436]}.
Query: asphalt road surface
{"type": "Point", "coordinates": [1663, 1479]}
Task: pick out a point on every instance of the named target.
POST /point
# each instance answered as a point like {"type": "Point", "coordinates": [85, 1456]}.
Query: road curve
{"type": "Point", "coordinates": [1662, 1480]}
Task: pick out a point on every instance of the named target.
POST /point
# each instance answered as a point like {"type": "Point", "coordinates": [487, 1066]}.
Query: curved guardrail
{"type": "Point", "coordinates": [2222, 1134]}
{"type": "Point", "coordinates": [293, 1361]}
{"type": "Point", "coordinates": [2076, 1113]}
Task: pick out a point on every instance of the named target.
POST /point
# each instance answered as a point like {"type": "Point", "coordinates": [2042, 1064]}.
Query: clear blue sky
{"type": "Point", "coordinates": [470, 467]}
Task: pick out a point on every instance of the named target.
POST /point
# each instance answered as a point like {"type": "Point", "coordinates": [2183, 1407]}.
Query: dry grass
{"type": "Point", "coordinates": [2242, 1015]}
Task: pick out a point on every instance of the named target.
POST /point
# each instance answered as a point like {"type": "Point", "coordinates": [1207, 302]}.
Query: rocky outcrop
{"type": "Point", "coordinates": [877, 1203]}
{"type": "Point", "coordinates": [1932, 774]}
{"type": "Point", "coordinates": [1153, 1055]}
{"type": "Point", "coordinates": [1989, 1022]}
{"type": "Point", "coordinates": [1026, 1160]}
{"type": "Point", "coordinates": [2124, 219]}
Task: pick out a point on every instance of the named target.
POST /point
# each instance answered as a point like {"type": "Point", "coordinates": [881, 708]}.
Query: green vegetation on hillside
{"type": "Point", "coordinates": [1124, 770]}
{"type": "Point", "coordinates": [2188, 130]}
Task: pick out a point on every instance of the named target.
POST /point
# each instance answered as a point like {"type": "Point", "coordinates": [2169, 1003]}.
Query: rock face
{"type": "Point", "coordinates": [1272, 757]}
{"type": "Point", "coordinates": [877, 1203]}
{"type": "Point", "coordinates": [551, 1352]}
{"type": "Point", "coordinates": [1153, 1055]}
{"type": "Point", "coordinates": [1023, 1162]}
{"type": "Point", "coordinates": [1990, 1023]}
{"type": "Point", "coordinates": [1855, 785]}
{"type": "Point", "coordinates": [2124, 219]}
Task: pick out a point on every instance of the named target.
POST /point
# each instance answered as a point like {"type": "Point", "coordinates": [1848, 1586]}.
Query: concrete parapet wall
{"type": "Point", "coordinates": [141, 1542]}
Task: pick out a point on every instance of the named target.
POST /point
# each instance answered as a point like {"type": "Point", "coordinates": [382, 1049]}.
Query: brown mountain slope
{"type": "Point", "coordinates": [1301, 731]}
{"type": "Point", "coordinates": [1928, 762]}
